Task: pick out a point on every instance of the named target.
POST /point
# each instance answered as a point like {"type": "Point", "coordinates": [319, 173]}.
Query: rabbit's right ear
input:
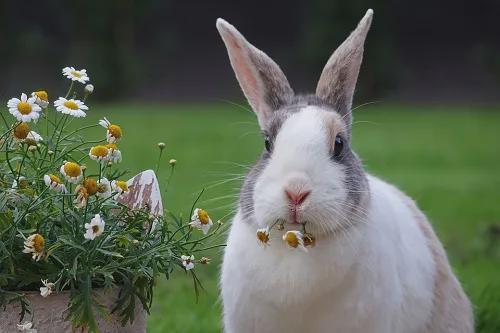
{"type": "Point", "coordinates": [262, 81]}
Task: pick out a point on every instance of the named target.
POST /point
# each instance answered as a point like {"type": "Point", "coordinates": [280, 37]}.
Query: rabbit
{"type": "Point", "coordinates": [376, 265]}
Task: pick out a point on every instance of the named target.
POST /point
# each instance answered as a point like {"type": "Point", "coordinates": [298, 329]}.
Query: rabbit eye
{"type": "Point", "coordinates": [267, 143]}
{"type": "Point", "coordinates": [338, 147]}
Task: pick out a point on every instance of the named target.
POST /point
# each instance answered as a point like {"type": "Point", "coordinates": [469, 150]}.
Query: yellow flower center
{"type": "Point", "coordinates": [21, 131]}
{"type": "Point", "coordinates": [122, 184]}
{"type": "Point", "coordinates": [38, 243]}
{"type": "Point", "coordinates": [291, 239]}
{"type": "Point", "coordinates": [42, 94]}
{"type": "Point", "coordinates": [112, 146]}
{"type": "Point", "coordinates": [203, 216]}
{"type": "Point", "coordinates": [90, 185]}
{"type": "Point", "coordinates": [99, 151]}
{"type": "Point", "coordinates": [76, 74]}
{"type": "Point", "coordinates": [54, 179]}
{"type": "Point", "coordinates": [24, 108]}
{"type": "Point", "coordinates": [95, 229]}
{"type": "Point", "coordinates": [115, 131]}
{"type": "Point", "coordinates": [71, 105]}
{"type": "Point", "coordinates": [263, 236]}
{"type": "Point", "coordinates": [72, 169]}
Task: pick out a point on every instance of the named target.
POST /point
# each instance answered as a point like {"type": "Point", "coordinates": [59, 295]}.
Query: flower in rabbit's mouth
{"type": "Point", "coordinates": [54, 183]}
{"type": "Point", "coordinates": [72, 172]}
{"type": "Point", "coordinates": [295, 239]}
{"type": "Point", "coordinates": [113, 133]}
{"type": "Point", "coordinates": [41, 98]}
{"type": "Point", "coordinates": [35, 244]}
{"type": "Point", "coordinates": [309, 240]}
{"type": "Point", "coordinates": [187, 262]}
{"type": "Point", "coordinates": [24, 109]}
{"type": "Point", "coordinates": [47, 288]}
{"type": "Point", "coordinates": [76, 75]}
{"type": "Point", "coordinates": [114, 155]}
{"type": "Point", "coordinates": [99, 153]}
{"type": "Point", "coordinates": [200, 220]}
{"type": "Point", "coordinates": [95, 228]}
{"type": "Point", "coordinates": [73, 107]}
{"type": "Point", "coordinates": [263, 235]}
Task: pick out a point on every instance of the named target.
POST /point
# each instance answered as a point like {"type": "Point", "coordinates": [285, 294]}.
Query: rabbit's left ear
{"type": "Point", "coordinates": [338, 79]}
{"type": "Point", "coordinates": [262, 81]}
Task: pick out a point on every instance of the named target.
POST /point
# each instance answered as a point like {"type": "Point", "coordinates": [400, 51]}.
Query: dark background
{"type": "Point", "coordinates": [152, 50]}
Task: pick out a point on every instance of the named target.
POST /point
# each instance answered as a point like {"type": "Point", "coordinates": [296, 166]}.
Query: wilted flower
{"type": "Point", "coordinates": [114, 155]}
{"type": "Point", "coordinates": [99, 153]}
{"type": "Point", "coordinates": [26, 326]}
{"type": "Point", "coordinates": [309, 240]}
{"type": "Point", "coordinates": [73, 107]}
{"type": "Point", "coordinates": [201, 220]}
{"type": "Point", "coordinates": [95, 228]}
{"type": "Point", "coordinates": [89, 89]}
{"type": "Point", "coordinates": [76, 75]}
{"type": "Point", "coordinates": [47, 288]}
{"type": "Point", "coordinates": [187, 262]}
{"type": "Point", "coordinates": [72, 172]}
{"type": "Point", "coordinates": [103, 188]}
{"type": "Point", "coordinates": [263, 235]}
{"type": "Point", "coordinates": [54, 183]}
{"type": "Point", "coordinates": [82, 196]}
{"type": "Point", "coordinates": [90, 185]}
{"type": "Point", "coordinates": [24, 109]}
{"type": "Point", "coordinates": [21, 131]}
{"type": "Point", "coordinates": [114, 132]}
{"type": "Point", "coordinates": [33, 138]}
{"type": "Point", "coordinates": [35, 245]}
{"type": "Point", "coordinates": [41, 98]}
{"type": "Point", "coordinates": [294, 239]}
{"type": "Point", "coordinates": [205, 260]}
{"type": "Point", "coordinates": [21, 184]}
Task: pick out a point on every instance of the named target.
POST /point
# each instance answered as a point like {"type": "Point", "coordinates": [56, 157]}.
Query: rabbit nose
{"type": "Point", "coordinates": [296, 198]}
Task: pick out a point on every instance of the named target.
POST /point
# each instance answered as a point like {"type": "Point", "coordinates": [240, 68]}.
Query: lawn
{"type": "Point", "coordinates": [447, 159]}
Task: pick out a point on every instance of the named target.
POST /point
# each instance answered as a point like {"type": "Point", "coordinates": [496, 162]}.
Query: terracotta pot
{"type": "Point", "coordinates": [49, 314]}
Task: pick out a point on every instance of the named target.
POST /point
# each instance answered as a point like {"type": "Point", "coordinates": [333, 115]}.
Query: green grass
{"type": "Point", "coordinates": [447, 159]}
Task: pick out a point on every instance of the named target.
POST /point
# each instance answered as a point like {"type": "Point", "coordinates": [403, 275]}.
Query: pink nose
{"type": "Point", "coordinates": [297, 198]}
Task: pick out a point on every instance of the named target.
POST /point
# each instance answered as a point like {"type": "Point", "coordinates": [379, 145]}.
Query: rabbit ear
{"type": "Point", "coordinates": [262, 81]}
{"type": "Point", "coordinates": [338, 79]}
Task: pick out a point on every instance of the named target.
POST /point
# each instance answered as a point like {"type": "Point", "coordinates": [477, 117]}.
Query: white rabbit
{"type": "Point", "coordinates": [377, 265]}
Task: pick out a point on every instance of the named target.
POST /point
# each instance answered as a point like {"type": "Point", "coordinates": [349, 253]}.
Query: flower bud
{"type": "Point", "coordinates": [89, 89]}
{"type": "Point", "coordinates": [172, 162]}
{"type": "Point", "coordinates": [32, 148]}
{"type": "Point", "coordinates": [161, 145]}
{"type": "Point", "coordinates": [50, 152]}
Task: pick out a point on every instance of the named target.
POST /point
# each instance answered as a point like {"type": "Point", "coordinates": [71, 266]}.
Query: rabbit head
{"type": "Point", "coordinates": [307, 172]}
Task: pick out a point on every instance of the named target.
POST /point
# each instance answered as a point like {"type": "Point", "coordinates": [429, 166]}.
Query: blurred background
{"type": "Point", "coordinates": [427, 108]}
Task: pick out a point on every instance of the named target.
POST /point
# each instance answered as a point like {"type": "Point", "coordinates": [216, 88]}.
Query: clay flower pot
{"type": "Point", "coordinates": [50, 312]}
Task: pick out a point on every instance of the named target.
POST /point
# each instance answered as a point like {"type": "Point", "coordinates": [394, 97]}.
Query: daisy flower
{"type": "Point", "coordinates": [82, 197]}
{"type": "Point", "coordinates": [76, 75]}
{"type": "Point", "coordinates": [72, 172]}
{"type": "Point", "coordinates": [73, 107]}
{"type": "Point", "coordinates": [115, 155]}
{"type": "Point", "coordinates": [21, 184]}
{"type": "Point", "coordinates": [24, 109]}
{"type": "Point", "coordinates": [41, 98]}
{"type": "Point", "coordinates": [54, 183]}
{"type": "Point", "coordinates": [294, 239]}
{"type": "Point", "coordinates": [33, 138]}
{"type": "Point", "coordinates": [114, 132]}
{"type": "Point", "coordinates": [200, 220]}
{"type": "Point", "coordinates": [26, 326]}
{"type": "Point", "coordinates": [119, 186]}
{"type": "Point", "coordinates": [263, 235]}
{"type": "Point", "coordinates": [187, 262]}
{"type": "Point", "coordinates": [99, 153]}
{"type": "Point", "coordinates": [35, 245]}
{"type": "Point", "coordinates": [103, 188]}
{"type": "Point", "coordinates": [95, 228]}
{"type": "Point", "coordinates": [21, 131]}
{"type": "Point", "coordinates": [47, 288]}
{"type": "Point", "coordinates": [90, 185]}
